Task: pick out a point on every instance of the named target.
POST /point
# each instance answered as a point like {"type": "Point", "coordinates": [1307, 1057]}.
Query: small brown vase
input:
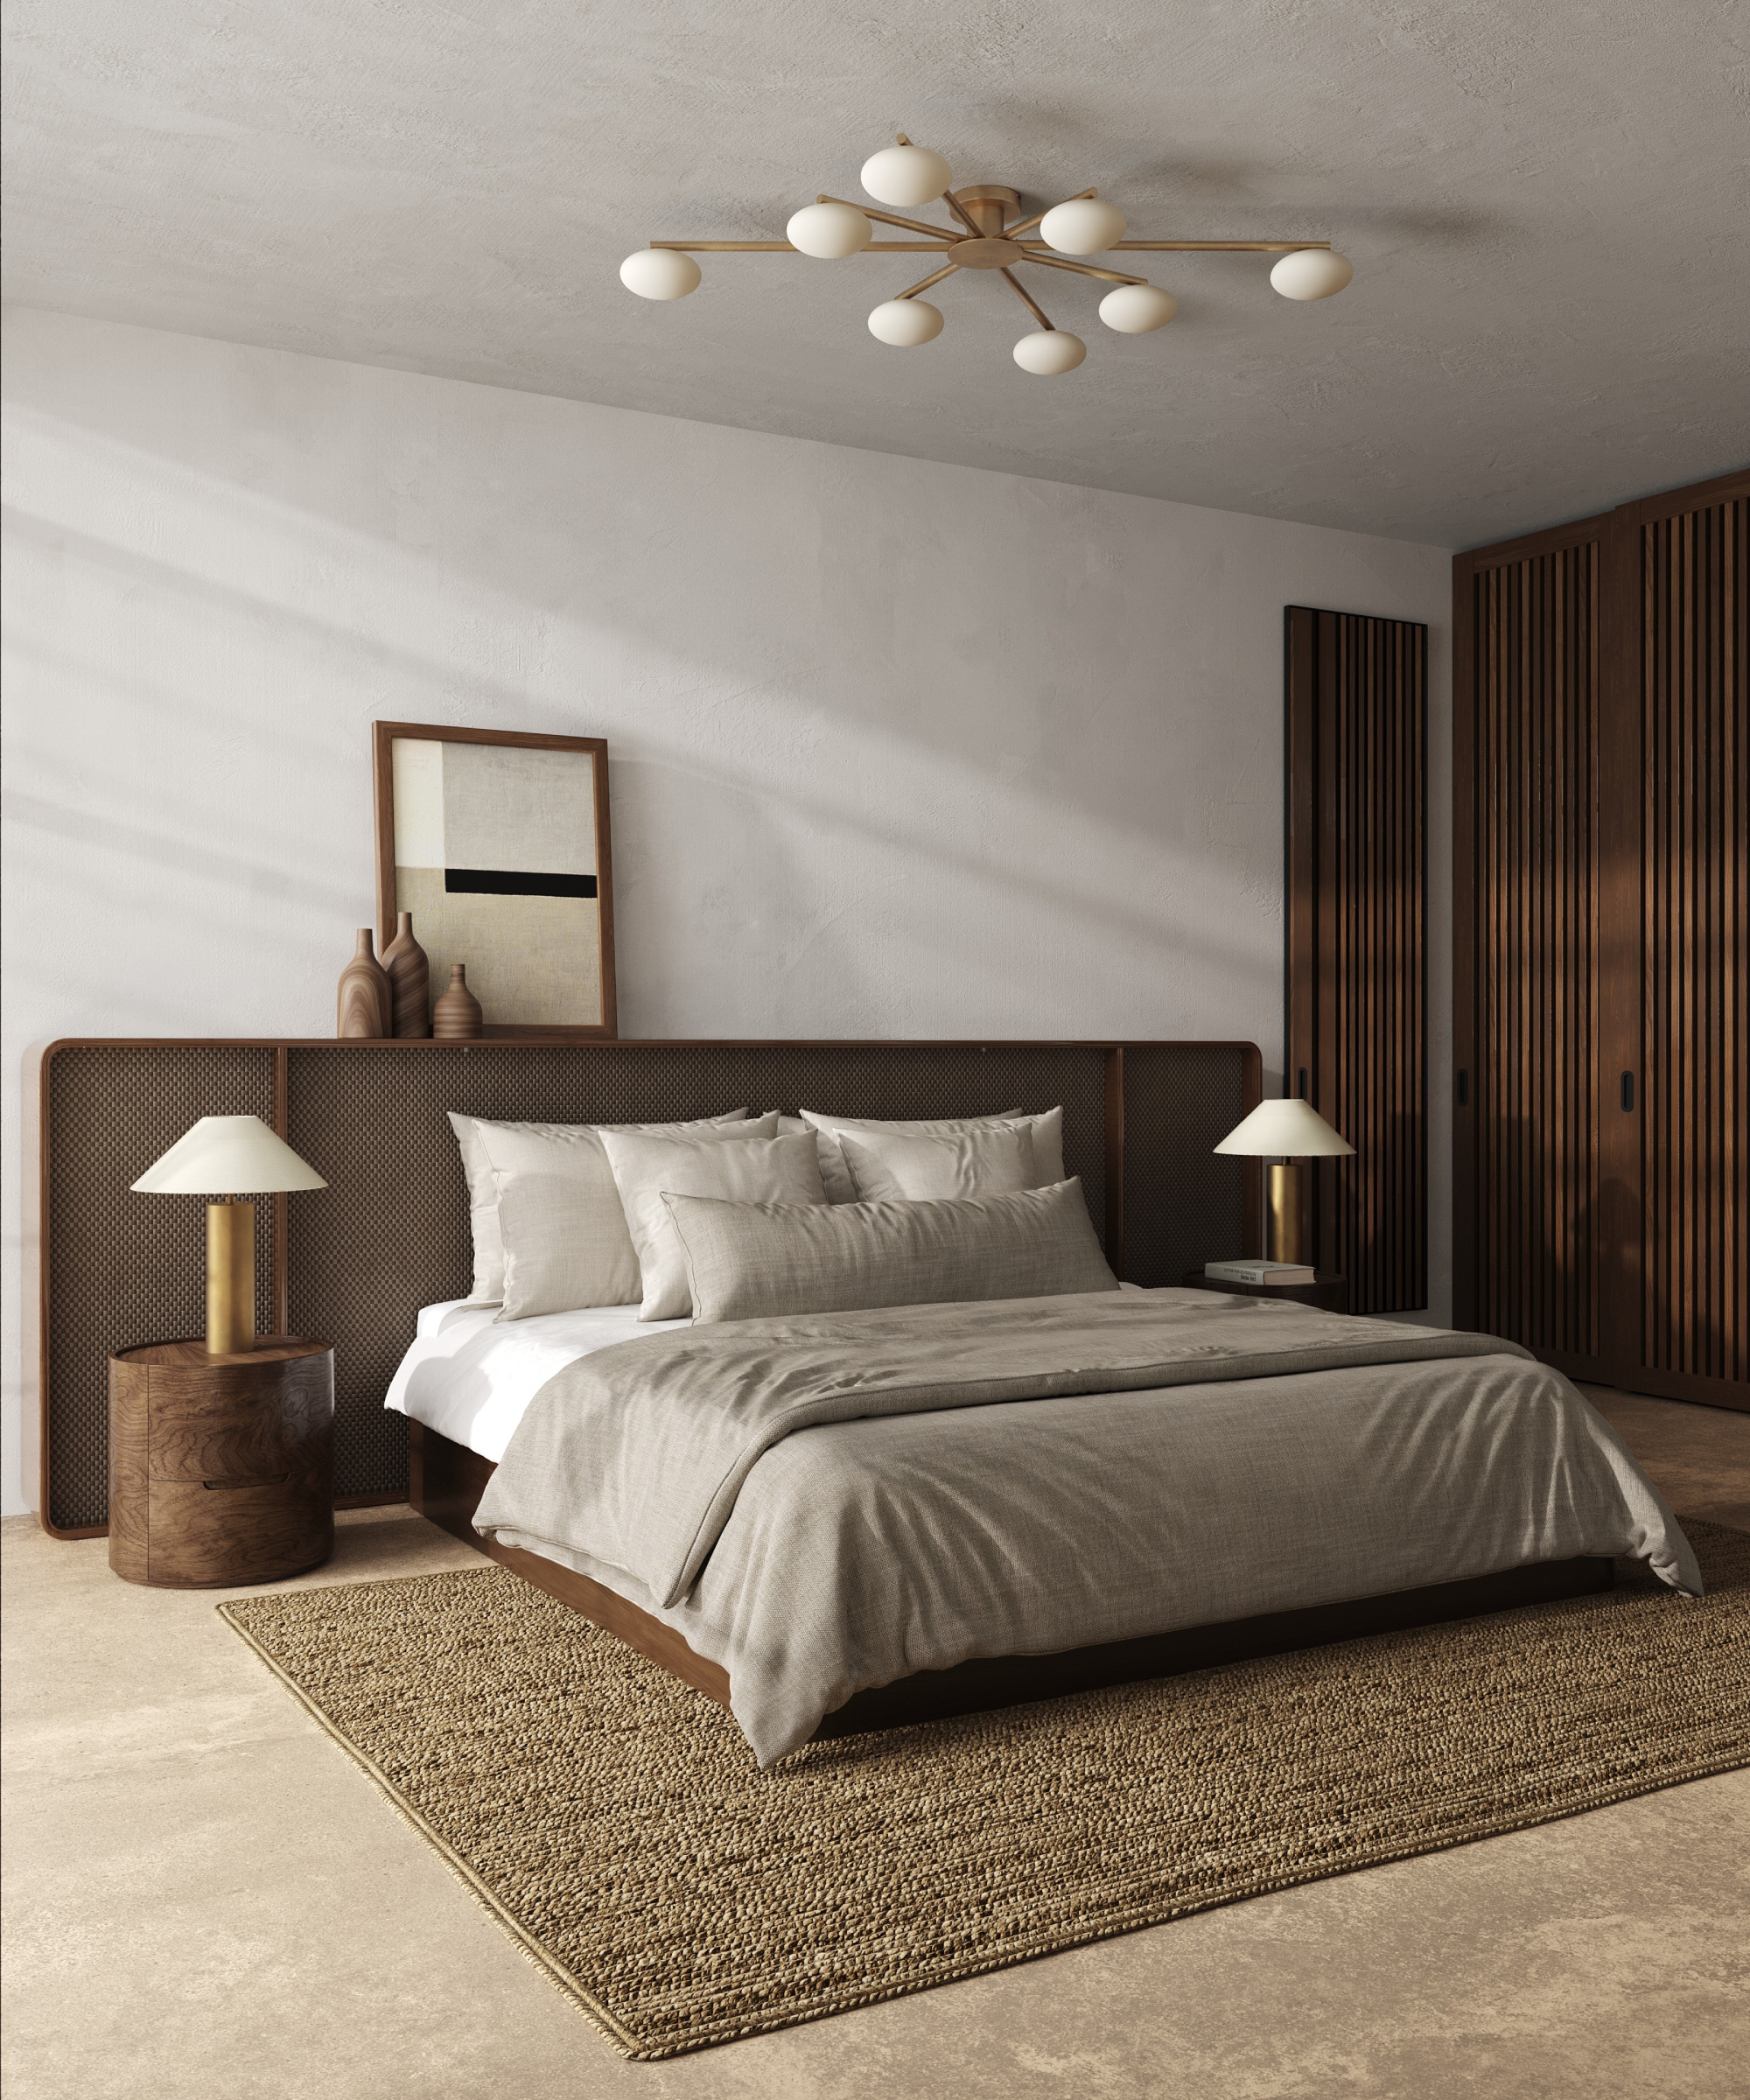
{"type": "Point", "coordinates": [410, 978]}
{"type": "Point", "coordinates": [365, 1006]}
{"type": "Point", "coordinates": [457, 1015]}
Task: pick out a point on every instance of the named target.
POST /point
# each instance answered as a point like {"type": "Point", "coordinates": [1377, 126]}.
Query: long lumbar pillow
{"type": "Point", "coordinates": [647, 1170]}
{"type": "Point", "coordinates": [1046, 1130]}
{"type": "Point", "coordinates": [564, 1153]}
{"type": "Point", "coordinates": [762, 1261]}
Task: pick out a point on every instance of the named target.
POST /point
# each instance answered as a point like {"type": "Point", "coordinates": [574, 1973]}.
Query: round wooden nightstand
{"type": "Point", "coordinates": [1324, 1291]}
{"type": "Point", "coordinates": [221, 1468]}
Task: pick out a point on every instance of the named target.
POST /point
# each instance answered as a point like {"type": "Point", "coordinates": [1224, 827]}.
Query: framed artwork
{"type": "Point", "coordinates": [497, 842]}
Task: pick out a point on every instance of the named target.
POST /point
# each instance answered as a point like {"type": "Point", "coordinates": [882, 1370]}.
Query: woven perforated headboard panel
{"type": "Point", "coordinates": [390, 1232]}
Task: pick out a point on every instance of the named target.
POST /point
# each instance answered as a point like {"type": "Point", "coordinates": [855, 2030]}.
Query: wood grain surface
{"type": "Point", "coordinates": [221, 1468]}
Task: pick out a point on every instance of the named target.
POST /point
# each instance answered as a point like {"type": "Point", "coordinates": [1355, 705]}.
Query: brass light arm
{"type": "Point", "coordinates": [924, 284]}
{"type": "Point", "coordinates": [1037, 311]}
{"type": "Point", "coordinates": [1025, 226]}
{"type": "Point", "coordinates": [1084, 269]}
{"type": "Point", "coordinates": [786, 247]}
{"type": "Point", "coordinates": [912, 226]}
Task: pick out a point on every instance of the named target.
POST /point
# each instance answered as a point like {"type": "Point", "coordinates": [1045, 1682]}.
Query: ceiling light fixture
{"type": "Point", "coordinates": [906, 177]}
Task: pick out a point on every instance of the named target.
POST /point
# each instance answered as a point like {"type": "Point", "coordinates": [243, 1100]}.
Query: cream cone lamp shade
{"type": "Point", "coordinates": [229, 1156]}
{"type": "Point", "coordinates": [1286, 1130]}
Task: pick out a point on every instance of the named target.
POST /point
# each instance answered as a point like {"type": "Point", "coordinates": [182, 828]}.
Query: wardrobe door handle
{"type": "Point", "coordinates": [1464, 1090]}
{"type": "Point", "coordinates": [1628, 1093]}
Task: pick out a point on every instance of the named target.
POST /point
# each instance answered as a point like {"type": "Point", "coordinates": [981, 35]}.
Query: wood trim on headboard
{"type": "Point", "coordinates": [390, 1232]}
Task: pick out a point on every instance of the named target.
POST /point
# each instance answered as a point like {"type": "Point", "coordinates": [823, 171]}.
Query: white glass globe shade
{"type": "Point", "coordinates": [829, 231]}
{"type": "Point", "coordinates": [905, 323]}
{"type": "Point", "coordinates": [660, 273]}
{"type": "Point", "coordinates": [905, 176]}
{"type": "Point", "coordinates": [1136, 309]}
{"type": "Point", "coordinates": [1312, 273]}
{"type": "Point", "coordinates": [1085, 227]}
{"type": "Point", "coordinates": [1050, 351]}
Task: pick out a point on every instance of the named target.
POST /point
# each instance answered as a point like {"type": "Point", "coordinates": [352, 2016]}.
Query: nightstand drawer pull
{"type": "Point", "coordinates": [252, 1479]}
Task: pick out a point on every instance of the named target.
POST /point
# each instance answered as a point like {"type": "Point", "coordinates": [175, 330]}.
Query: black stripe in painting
{"type": "Point", "coordinates": [506, 882]}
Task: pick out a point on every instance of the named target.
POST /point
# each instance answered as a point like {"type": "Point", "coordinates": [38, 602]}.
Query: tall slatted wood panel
{"type": "Point", "coordinates": [1526, 1006]}
{"type": "Point", "coordinates": [1357, 990]}
{"type": "Point", "coordinates": [1601, 930]}
{"type": "Point", "coordinates": [1678, 758]}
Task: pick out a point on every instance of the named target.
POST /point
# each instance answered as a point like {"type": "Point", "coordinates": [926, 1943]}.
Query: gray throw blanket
{"type": "Point", "coordinates": [644, 1448]}
{"type": "Point", "coordinates": [824, 1503]}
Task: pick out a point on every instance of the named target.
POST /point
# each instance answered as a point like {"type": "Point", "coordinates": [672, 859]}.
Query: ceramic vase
{"type": "Point", "coordinates": [458, 1013]}
{"type": "Point", "coordinates": [365, 1006]}
{"type": "Point", "coordinates": [410, 978]}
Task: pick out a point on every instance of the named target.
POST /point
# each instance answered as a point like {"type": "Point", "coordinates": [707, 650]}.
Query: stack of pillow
{"type": "Point", "coordinates": [738, 1216]}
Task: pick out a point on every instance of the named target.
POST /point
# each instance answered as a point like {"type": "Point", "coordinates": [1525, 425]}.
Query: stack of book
{"type": "Point", "coordinates": [1260, 1272]}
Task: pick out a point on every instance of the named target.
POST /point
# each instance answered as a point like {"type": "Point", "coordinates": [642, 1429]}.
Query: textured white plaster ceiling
{"type": "Point", "coordinates": [1545, 201]}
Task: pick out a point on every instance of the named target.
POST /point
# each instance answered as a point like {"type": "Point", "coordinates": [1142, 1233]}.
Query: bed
{"type": "Point", "coordinates": [1188, 1479]}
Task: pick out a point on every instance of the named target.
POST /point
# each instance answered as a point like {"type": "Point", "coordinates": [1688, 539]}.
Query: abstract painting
{"type": "Point", "coordinates": [497, 844]}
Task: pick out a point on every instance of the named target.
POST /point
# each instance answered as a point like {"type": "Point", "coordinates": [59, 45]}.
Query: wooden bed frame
{"type": "Point", "coordinates": [447, 1481]}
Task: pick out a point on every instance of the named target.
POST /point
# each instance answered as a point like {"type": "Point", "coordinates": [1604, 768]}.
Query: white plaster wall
{"type": "Point", "coordinates": [897, 748]}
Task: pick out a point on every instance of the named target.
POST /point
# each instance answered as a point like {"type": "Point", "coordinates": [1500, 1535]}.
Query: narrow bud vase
{"type": "Point", "coordinates": [364, 1006]}
{"type": "Point", "coordinates": [409, 977]}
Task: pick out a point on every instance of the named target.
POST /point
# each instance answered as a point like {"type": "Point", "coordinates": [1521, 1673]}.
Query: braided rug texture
{"type": "Point", "coordinates": [614, 1822]}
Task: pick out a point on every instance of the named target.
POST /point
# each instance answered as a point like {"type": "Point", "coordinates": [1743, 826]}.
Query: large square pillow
{"type": "Point", "coordinates": [572, 1151]}
{"type": "Point", "coordinates": [1047, 1131]}
{"type": "Point", "coordinates": [894, 1166]}
{"type": "Point", "coordinates": [765, 1170]}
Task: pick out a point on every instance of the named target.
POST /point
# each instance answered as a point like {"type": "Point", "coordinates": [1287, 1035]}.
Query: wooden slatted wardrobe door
{"type": "Point", "coordinates": [1527, 661]}
{"type": "Point", "coordinates": [1675, 1118]}
{"type": "Point", "coordinates": [1601, 944]}
{"type": "Point", "coordinates": [1357, 989]}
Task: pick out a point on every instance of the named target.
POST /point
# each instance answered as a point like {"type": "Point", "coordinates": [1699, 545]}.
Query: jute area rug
{"type": "Point", "coordinates": [615, 1823]}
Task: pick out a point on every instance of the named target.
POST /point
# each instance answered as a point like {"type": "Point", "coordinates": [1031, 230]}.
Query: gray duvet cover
{"type": "Point", "coordinates": [827, 1503]}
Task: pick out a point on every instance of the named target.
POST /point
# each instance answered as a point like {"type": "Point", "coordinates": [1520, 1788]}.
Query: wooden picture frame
{"type": "Point", "coordinates": [505, 1017]}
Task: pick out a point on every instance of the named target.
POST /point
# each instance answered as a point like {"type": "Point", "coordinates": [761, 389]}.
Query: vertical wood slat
{"type": "Point", "coordinates": [1602, 932]}
{"type": "Point", "coordinates": [1525, 1019]}
{"type": "Point", "coordinates": [1357, 706]}
{"type": "Point", "coordinates": [1692, 570]}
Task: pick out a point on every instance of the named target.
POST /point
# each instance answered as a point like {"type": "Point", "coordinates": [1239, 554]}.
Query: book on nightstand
{"type": "Point", "coordinates": [1260, 1272]}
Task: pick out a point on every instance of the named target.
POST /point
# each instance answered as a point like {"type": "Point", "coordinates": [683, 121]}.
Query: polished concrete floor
{"type": "Point", "coordinates": [206, 1898]}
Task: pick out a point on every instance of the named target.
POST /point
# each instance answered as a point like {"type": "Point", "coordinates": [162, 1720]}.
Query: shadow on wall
{"type": "Point", "coordinates": [1115, 649]}
{"type": "Point", "coordinates": [885, 877]}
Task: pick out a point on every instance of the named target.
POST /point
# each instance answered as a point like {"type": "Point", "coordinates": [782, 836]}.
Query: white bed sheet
{"type": "Point", "coordinates": [470, 1377]}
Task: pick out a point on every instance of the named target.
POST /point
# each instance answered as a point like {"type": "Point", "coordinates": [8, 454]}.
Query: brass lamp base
{"type": "Point", "coordinates": [1286, 1184]}
{"type": "Point", "coordinates": [230, 1279]}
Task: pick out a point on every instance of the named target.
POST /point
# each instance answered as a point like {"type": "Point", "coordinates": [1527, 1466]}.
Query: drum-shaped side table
{"type": "Point", "coordinates": [221, 1468]}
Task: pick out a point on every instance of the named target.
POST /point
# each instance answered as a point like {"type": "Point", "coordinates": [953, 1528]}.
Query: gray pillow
{"type": "Point", "coordinates": [893, 1167]}
{"type": "Point", "coordinates": [765, 1170]}
{"type": "Point", "coordinates": [761, 1261]}
{"type": "Point", "coordinates": [1045, 1130]}
{"type": "Point", "coordinates": [571, 1150]}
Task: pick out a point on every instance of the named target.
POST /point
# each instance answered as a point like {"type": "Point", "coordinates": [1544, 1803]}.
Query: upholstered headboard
{"type": "Point", "coordinates": [353, 1263]}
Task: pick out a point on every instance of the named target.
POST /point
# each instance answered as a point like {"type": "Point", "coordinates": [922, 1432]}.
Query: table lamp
{"type": "Point", "coordinates": [1288, 1129]}
{"type": "Point", "coordinates": [229, 1156]}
